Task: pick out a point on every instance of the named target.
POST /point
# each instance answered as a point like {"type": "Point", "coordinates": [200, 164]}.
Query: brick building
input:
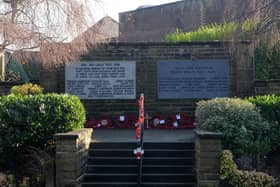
{"type": "Point", "coordinates": [153, 23]}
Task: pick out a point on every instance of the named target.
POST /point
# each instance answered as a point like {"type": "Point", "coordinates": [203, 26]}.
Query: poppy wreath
{"type": "Point", "coordinates": [122, 122]}
{"type": "Point", "coordinates": [132, 120]}
{"type": "Point", "coordinates": [180, 121]}
{"type": "Point", "coordinates": [101, 123]}
{"type": "Point", "coordinates": [158, 122]}
{"type": "Point", "coordinates": [187, 120]}
{"type": "Point", "coordinates": [91, 123]}
{"type": "Point", "coordinates": [104, 123]}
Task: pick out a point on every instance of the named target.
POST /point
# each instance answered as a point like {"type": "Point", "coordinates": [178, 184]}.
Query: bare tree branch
{"type": "Point", "coordinates": [46, 25]}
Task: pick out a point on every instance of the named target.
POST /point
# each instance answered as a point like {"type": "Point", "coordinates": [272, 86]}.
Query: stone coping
{"type": "Point", "coordinates": [207, 134]}
{"type": "Point", "coordinates": [257, 81]}
{"type": "Point", "coordinates": [72, 135]}
{"type": "Point", "coordinates": [144, 43]}
{"type": "Point", "coordinates": [10, 83]}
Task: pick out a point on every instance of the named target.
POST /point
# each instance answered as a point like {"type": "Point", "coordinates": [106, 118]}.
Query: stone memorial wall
{"type": "Point", "coordinates": [173, 77]}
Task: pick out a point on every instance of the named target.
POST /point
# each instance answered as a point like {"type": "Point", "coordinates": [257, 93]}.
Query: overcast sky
{"type": "Point", "coordinates": [112, 8]}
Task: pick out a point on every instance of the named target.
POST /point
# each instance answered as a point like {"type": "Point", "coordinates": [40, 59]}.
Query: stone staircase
{"type": "Point", "coordinates": [164, 165]}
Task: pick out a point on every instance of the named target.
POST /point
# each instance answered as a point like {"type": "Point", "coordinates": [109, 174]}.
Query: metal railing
{"type": "Point", "coordinates": [139, 151]}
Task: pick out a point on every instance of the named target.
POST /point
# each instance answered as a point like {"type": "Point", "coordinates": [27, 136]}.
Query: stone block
{"type": "Point", "coordinates": [66, 147]}
{"type": "Point", "coordinates": [208, 176]}
{"type": "Point", "coordinates": [208, 183]}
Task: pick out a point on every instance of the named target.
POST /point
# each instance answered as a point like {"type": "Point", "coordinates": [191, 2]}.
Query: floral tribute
{"type": "Point", "coordinates": [101, 123]}
{"type": "Point", "coordinates": [125, 122]}
{"type": "Point", "coordinates": [174, 121]}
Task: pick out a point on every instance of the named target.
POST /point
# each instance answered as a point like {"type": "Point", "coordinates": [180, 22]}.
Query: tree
{"type": "Point", "coordinates": [264, 13]}
{"type": "Point", "coordinates": [46, 26]}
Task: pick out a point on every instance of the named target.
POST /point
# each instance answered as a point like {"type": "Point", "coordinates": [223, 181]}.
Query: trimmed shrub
{"type": "Point", "coordinates": [238, 178]}
{"type": "Point", "coordinates": [269, 106]}
{"type": "Point", "coordinates": [32, 120]}
{"type": "Point", "coordinates": [27, 89]}
{"type": "Point", "coordinates": [244, 130]}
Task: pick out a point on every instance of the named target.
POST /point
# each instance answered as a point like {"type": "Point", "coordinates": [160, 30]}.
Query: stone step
{"type": "Point", "coordinates": [187, 169]}
{"type": "Point", "coordinates": [170, 184]}
{"type": "Point", "coordinates": [164, 165]}
{"type": "Point", "coordinates": [128, 177]}
{"type": "Point", "coordinates": [133, 184]}
{"type": "Point", "coordinates": [109, 184]}
{"type": "Point", "coordinates": [147, 145]}
{"type": "Point", "coordinates": [147, 152]}
{"type": "Point", "coordinates": [146, 161]}
{"type": "Point", "coordinates": [168, 169]}
{"type": "Point", "coordinates": [175, 177]}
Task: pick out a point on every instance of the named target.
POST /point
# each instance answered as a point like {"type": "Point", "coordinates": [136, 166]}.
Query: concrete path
{"type": "Point", "coordinates": [150, 135]}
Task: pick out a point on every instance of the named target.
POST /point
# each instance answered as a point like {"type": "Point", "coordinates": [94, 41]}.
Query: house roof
{"type": "Point", "coordinates": [105, 29]}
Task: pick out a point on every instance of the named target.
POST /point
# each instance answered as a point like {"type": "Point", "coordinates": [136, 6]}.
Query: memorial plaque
{"type": "Point", "coordinates": [193, 79]}
{"type": "Point", "coordinates": [101, 79]}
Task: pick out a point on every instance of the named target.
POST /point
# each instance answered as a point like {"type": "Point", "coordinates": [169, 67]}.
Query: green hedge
{"type": "Point", "coordinates": [244, 130]}
{"type": "Point", "coordinates": [269, 106]}
{"type": "Point", "coordinates": [32, 120]}
{"type": "Point", "coordinates": [238, 178]}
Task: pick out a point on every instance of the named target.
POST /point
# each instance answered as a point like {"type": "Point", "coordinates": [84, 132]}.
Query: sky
{"type": "Point", "coordinates": [112, 8]}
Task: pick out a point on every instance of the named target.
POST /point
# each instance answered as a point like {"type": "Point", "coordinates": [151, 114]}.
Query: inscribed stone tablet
{"type": "Point", "coordinates": [101, 79]}
{"type": "Point", "coordinates": [193, 79]}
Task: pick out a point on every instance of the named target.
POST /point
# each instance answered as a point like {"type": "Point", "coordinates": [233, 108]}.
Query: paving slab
{"type": "Point", "coordinates": [150, 135]}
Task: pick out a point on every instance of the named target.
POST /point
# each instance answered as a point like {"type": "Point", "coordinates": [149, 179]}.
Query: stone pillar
{"type": "Point", "coordinates": [208, 149]}
{"type": "Point", "coordinates": [71, 156]}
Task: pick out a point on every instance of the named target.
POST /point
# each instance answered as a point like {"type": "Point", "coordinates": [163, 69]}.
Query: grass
{"type": "Point", "coordinates": [213, 32]}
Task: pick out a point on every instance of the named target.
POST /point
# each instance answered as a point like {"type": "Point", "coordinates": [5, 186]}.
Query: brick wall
{"type": "Point", "coordinates": [263, 87]}
{"type": "Point", "coordinates": [146, 55]}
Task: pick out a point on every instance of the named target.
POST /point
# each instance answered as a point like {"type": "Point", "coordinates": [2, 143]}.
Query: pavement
{"type": "Point", "coordinates": [150, 135]}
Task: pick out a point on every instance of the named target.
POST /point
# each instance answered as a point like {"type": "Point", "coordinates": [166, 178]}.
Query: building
{"type": "Point", "coordinates": [106, 29]}
{"type": "Point", "coordinates": [152, 23]}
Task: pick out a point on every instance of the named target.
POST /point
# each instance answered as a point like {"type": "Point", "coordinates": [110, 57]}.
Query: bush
{"type": "Point", "coordinates": [238, 178]}
{"type": "Point", "coordinates": [214, 32]}
{"type": "Point", "coordinates": [32, 120]}
{"type": "Point", "coordinates": [27, 89]}
{"type": "Point", "coordinates": [244, 130]}
{"type": "Point", "coordinates": [269, 106]}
